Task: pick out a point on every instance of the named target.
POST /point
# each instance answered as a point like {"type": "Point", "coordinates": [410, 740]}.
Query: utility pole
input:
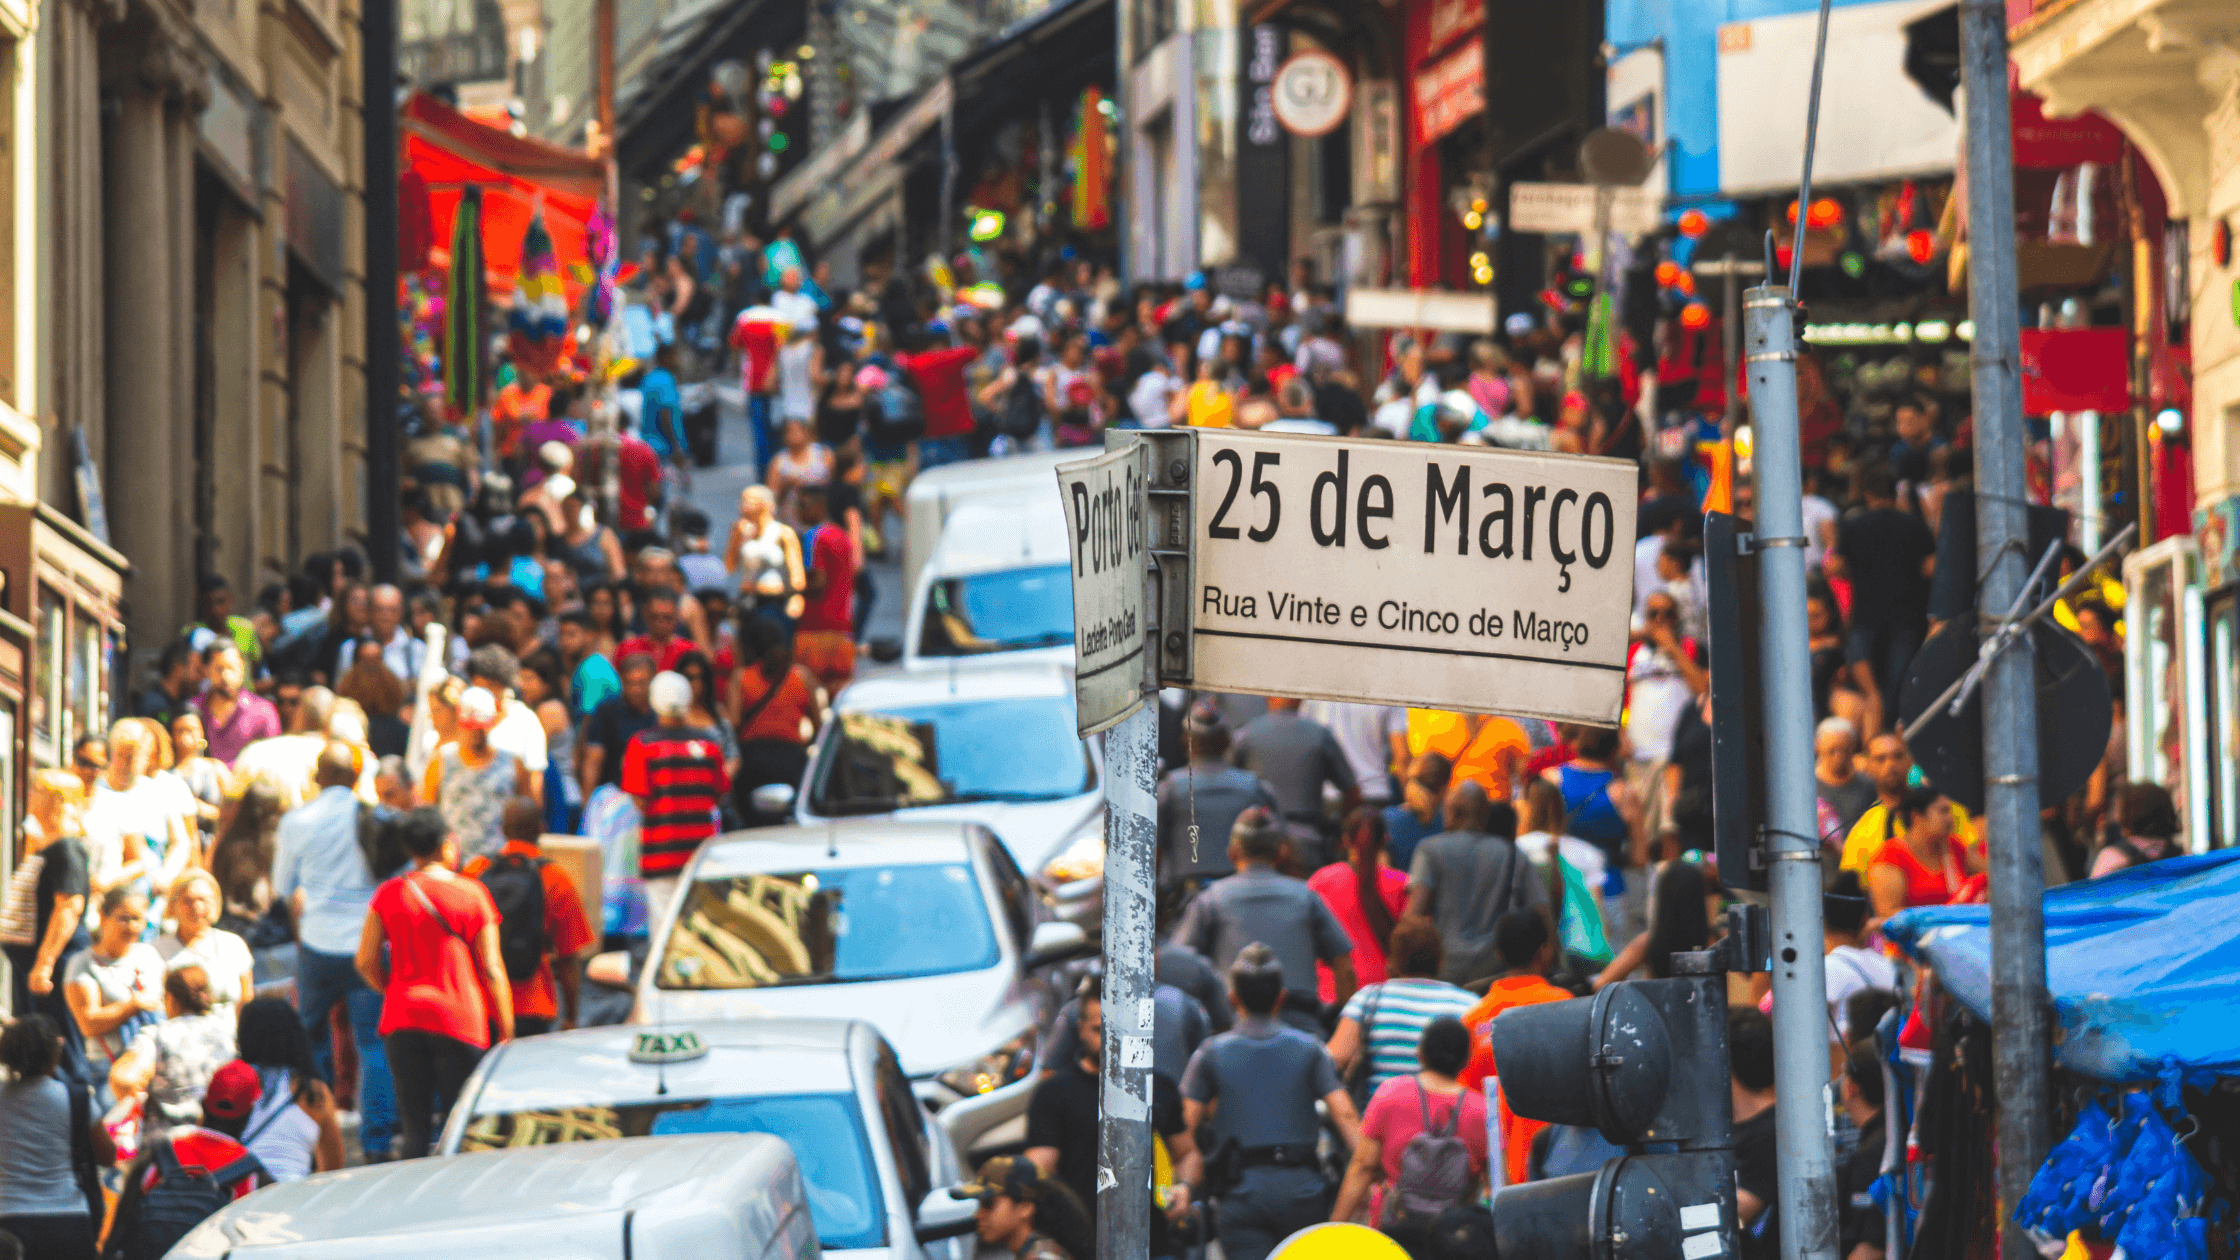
{"type": "Point", "coordinates": [2020, 1009]}
{"type": "Point", "coordinates": [377, 62]}
{"type": "Point", "coordinates": [1131, 778]}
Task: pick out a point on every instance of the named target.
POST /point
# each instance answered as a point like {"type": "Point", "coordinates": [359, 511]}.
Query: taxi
{"type": "Point", "coordinates": [875, 1167]}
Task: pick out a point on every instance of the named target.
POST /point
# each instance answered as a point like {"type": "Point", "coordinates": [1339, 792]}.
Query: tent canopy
{"type": "Point", "coordinates": [2143, 966]}
{"type": "Point", "coordinates": [518, 176]}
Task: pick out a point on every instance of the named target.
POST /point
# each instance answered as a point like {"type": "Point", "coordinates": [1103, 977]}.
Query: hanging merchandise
{"type": "Point", "coordinates": [537, 327]}
{"type": "Point", "coordinates": [1092, 200]}
{"type": "Point", "coordinates": [463, 307]}
{"type": "Point", "coordinates": [1601, 354]}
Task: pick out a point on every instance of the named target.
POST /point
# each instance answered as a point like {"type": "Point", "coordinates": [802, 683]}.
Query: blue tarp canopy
{"type": "Point", "coordinates": [2144, 966]}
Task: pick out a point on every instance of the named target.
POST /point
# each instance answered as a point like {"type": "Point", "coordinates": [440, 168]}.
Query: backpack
{"type": "Point", "coordinates": [182, 1198]}
{"type": "Point", "coordinates": [1434, 1171]}
{"type": "Point", "coordinates": [1022, 409]}
{"type": "Point", "coordinates": [516, 884]}
{"type": "Point", "coordinates": [894, 415]}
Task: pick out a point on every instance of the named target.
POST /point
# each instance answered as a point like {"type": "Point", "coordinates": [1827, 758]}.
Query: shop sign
{"type": "Point", "coordinates": [1545, 208]}
{"type": "Point", "coordinates": [2052, 144]}
{"type": "Point", "coordinates": [2075, 369]}
{"type": "Point", "coordinates": [1376, 144]}
{"type": "Point", "coordinates": [1313, 93]}
{"type": "Point", "coordinates": [1449, 92]}
{"type": "Point", "coordinates": [1435, 26]}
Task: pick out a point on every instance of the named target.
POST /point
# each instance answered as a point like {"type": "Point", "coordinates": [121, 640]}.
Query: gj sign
{"type": "Point", "coordinates": [1104, 499]}
{"type": "Point", "coordinates": [1408, 573]}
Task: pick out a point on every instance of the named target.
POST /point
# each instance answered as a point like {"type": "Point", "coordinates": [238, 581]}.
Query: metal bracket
{"type": "Point", "coordinates": [1170, 507]}
{"type": "Point", "coordinates": [1750, 544]}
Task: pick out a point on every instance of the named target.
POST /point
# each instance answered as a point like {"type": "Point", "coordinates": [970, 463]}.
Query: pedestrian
{"type": "Point", "coordinates": [202, 774]}
{"type": "Point", "coordinates": [198, 940]}
{"type": "Point", "coordinates": [1260, 905]}
{"type": "Point", "coordinates": [1923, 866]}
{"type": "Point", "coordinates": [1297, 758]}
{"type": "Point", "coordinates": [243, 855]}
{"type": "Point", "coordinates": [1063, 1133]}
{"type": "Point", "coordinates": [134, 836]}
{"type": "Point", "coordinates": [592, 679]}
{"type": "Point", "coordinates": [1574, 869]}
{"type": "Point", "coordinates": [1860, 1231]}
{"type": "Point", "coordinates": [542, 696]}
{"type": "Point", "coordinates": [1258, 1086]}
{"type": "Point", "coordinates": [1420, 814]}
{"type": "Point", "coordinates": [470, 780]}
{"type": "Point", "coordinates": [52, 1143]}
{"type": "Point", "coordinates": [1887, 555]}
{"type": "Point", "coordinates": [47, 891]}
{"type": "Point", "coordinates": [519, 731]}
{"type": "Point", "coordinates": [1423, 1137]}
{"type": "Point", "coordinates": [232, 717]}
{"type": "Point", "coordinates": [1366, 894]}
{"type": "Point", "coordinates": [294, 1129]}
{"type": "Point", "coordinates": [322, 871]}
{"type": "Point", "coordinates": [660, 643]}
{"type": "Point", "coordinates": [1465, 878]}
{"type": "Point", "coordinates": [369, 685]}
{"type": "Point", "coordinates": [609, 729]}
{"type": "Point", "coordinates": [89, 760]}
{"type": "Point", "coordinates": [1835, 776]}
{"type": "Point", "coordinates": [2148, 823]}
{"type": "Point", "coordinates": [674, 770]}
{"type": "Point", "coordinates": [1528, 953]}
{"type": "Point", "coordinates": [1683, 907]}
{"type": "Point", "coordinates": [401, 651]}
{"type": "Point", "coordinates": [824, 639]}
{"type": "Point", "coordinates": [114, 987]}
{"type": "Point", "coordinates": [1374, 738]}
{"type": "Point", "coordinates": [197, 1169]}
{"type": "Point", "coordinates": [774, 707]}
{"type": "Point", "coordinates": [1664, 675]}
{"type": "Point", "coordinates": [1750, 1059]}
{"type": "Point", "coordinates": [1024, 1213]}
{"type": "Point", "coordinates": [445, 997]}
{"type": "Point", "coordinates": [178, 678]}
{"type": "Point", "coordinates": [1204, 797]}
{"type": "Point", "coordinates": [172, 1062]}
{"type": "Point", "coordinates": [542, 930]}
{"type": "Point", "coordinates": [1851, 968]}
{"type": "Point", "coordinates": [1378, 1030]}
{"type": "Point", "coordinates": [1601, 809]}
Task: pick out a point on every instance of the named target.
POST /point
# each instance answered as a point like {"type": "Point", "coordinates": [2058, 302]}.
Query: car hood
{"type": "Point", "coordinates": [1061, 653]}
{"type": "Point", "coordinates": [933, 1022]}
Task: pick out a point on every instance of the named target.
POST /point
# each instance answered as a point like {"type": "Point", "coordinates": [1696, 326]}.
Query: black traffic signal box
{"type": "Point", "coordinates": [1644, 1062]}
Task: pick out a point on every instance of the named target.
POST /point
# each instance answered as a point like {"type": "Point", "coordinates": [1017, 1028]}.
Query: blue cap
{"type": "Point", "coordinates": [1196, 281]}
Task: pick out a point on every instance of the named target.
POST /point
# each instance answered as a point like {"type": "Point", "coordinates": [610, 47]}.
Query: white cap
{"type": "Point", "coordinates": [672, 693]}
{"type": "Point", "coordinates": [478, 709]}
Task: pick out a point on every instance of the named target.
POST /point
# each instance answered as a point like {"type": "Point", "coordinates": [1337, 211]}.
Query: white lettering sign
{"type": "Point", "coordinates": [1570, 208]}
{"type": "Point", "coordinates": [1104, 499]}
{"type": "Point", "coordinates": [1408, 573]}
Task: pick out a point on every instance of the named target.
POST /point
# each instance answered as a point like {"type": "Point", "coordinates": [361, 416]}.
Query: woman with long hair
{"type": "Point", "coordinates": [204, 775]}
{"type": "Point", "coordinates": [47, 884]}
{"type": "Point", "coordinates": [349, 617]}
{"type": "Point", "coordinates": [610, 618]}
{"type": "Point", "coordinates": [539, 688]}
{"type": "Point", "coordinates": [774, 709]}
{"type": "Point", "coordinates": [242, 857]}
{"type": "Point", "coordinates": [199, 940]}
{"type": "Point", "coordinates": [707, 710]}
{"type": "Point", "coordinates": [45, 1202]}
{"type": "Point", "coordinates": [1682, 908]}
{"type": "Point", "coordinates": [293, 1128]}
{"type": "Point", "coordinates": [1366, 894]}
{"type": "Point", "coordinates": [764, 557]}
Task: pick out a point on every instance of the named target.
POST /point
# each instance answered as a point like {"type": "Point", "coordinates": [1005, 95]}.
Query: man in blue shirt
{"type": "Point", "coordinates": [661, 413]}
{"type": "Point", "coordinates": [320, 872]}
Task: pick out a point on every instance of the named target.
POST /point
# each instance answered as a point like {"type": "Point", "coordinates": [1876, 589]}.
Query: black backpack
{"type": "Point", "coordinates": [516, 884]}
{"type": "Point", "coordinates": [895, 415]}
{"type": "Point", "coordinates": [1022, 409]}
{"type": "Point", "coordinates": [182, 1198]}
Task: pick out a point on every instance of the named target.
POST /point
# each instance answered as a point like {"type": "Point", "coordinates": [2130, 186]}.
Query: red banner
{"type": "Point", "coordinates": [2075, 369]}
{"type": "Point", "coordinates": [1448, 93]}
{"type": "Point", "coordinates": [2052, 144]}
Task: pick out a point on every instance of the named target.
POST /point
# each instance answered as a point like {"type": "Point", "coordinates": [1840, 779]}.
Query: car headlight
{"type": "Point", "coordinates": [1009, 1062]}
{"type": "Point", "coordinates": [1082, 858]}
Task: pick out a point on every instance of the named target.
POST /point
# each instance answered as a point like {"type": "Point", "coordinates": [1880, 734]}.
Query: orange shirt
{"type": "Point", "coordinates": [564, 926]}
{"type": "Point", "coordinates": [781, 718]}
{"type": "Point", "coordinates": [1506, 993]}
{"type": "Point", "coordinates": [517, 407]}
{"type": "Point", "coordinates": [1481, 757]}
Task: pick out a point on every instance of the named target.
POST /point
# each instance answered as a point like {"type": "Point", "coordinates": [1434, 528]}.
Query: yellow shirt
{"type": "Point", "coordinates": [1209, 407]}
{"type": "Point", "coordinates": [1874, 827]}
{"type": "Point", "coordinates": [1478, 757]}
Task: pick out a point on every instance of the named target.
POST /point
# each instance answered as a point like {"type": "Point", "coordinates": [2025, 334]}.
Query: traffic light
{"type": "Point", "coordinates": [1645, 1063]}
{"type": "Point", "coordinates": [1738, 755]}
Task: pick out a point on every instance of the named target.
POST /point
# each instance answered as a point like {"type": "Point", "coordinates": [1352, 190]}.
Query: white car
{"type": "Point", "coordinates": [995, 745]}
{"type": "Point", "coordinates": [670, 1198]}
{"type": "Point", "coordinates": [938, 493]}
{"type": "Point", "coordinates": [875, 1164]}
{"type": "Point", "coordinates": [998, 587]}
{"type": "Point", "coordinates": [926, 930]}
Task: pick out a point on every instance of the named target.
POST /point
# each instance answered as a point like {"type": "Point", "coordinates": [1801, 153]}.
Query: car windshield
{"type": "Point", "coordinates": [825, 1131]}
{"type": "Point", "coordinates": [1008, 610]}
{"type": "Point", "coordinates": [848, 925]}
{"type": "Point", "coordinates": [1019, 749]}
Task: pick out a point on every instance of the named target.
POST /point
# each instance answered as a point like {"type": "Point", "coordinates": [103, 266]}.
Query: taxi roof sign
{"type": "Point", "coordinates": [667, 1047]}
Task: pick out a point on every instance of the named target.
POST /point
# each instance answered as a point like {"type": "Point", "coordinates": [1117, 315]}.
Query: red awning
{"type": "Point", "coordinates": [449, 151]}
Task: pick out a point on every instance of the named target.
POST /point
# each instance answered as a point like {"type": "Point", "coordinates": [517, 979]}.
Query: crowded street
{"type": "Point", "coordinates": [1109, 630]}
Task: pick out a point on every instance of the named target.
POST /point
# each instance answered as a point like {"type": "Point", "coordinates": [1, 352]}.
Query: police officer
{"type": "Point", "coordinates": [1261, 904]}
{"type": "Point", "coordinates": [1210, 793]}
{"type": "Point", "coordinates": [1259, 1084]}
{"type": "Point", "coordinates": [1027, 1214]}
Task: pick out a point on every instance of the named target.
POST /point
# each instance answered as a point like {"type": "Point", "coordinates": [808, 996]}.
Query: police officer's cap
{"type": "Point", "coordinates": [1205, 719]}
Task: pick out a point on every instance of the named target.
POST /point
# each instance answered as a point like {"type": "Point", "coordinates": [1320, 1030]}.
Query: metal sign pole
{"type": "Point", "coordinates": [1131, 778]}
{"type": "Point", "coordinates": [1800, 987]}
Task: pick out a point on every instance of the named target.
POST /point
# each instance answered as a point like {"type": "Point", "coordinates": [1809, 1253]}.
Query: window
{"type": "Point", "coordinates": [1012, 887]}
{"type": "Point", "coordinates": [1008, 610]}
{"type": "Point", "coordinates": [838, 926]}
{"type": "Point", "coordinates": [906, 1133]}
{"type": "Point", "coordinates": [50, 742]}
{"type": "Point", "coordinates": [1020, 749]}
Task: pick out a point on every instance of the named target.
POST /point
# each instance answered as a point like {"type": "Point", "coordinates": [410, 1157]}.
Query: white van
{"type": "Point", "coordinates": [999, 584]}
{"type": "Point", "coordinates": [937, 493]}
{"type": "Point", "coordinates": [676, 1198]}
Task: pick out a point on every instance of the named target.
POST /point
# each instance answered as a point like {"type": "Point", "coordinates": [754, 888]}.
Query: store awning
{"type": "Point", "coordinates": [518, 177]}
{"type": "Point", "coordinates": [1064, 48]}
{"type": "Point", "coordinates": [654, 108]}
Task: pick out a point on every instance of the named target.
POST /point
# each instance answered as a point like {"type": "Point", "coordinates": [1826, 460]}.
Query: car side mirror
{"type": "Point", "coordinates": [772, 800]}
{"type": "Point", "coordinates": [611, 969]}
{"type": "Point", "coordinates": [886, 649]}
{"type": "Point", "coordinates": [1057, 941]}
{"type": "Point", "coordinates": [943, 1215]}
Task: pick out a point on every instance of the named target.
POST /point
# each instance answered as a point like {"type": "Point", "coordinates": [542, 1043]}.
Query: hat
{"type": "Point", "coordinates": [478, 709]}
{"type": "Point", "coordinates": [1195, 281]}
{"type": "Point", "coordinates": [672, 693]}
{"type": "Point", "coordinates": [1012, 1176]}
{"type": "Point", "coordinates": [556, 456]}
{"type": "Point", "coordinates": [232, 1092]}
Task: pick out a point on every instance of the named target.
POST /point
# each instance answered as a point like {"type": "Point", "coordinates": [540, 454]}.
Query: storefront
{"type": "Point", "coordinates": [62, 642]}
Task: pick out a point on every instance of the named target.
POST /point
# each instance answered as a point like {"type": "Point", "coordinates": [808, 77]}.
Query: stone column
{"type": "Point", "coordinates": [138, 464]}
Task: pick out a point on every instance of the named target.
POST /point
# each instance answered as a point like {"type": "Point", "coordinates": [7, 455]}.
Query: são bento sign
{"type": "Point", "coordinates": [1411, 573]}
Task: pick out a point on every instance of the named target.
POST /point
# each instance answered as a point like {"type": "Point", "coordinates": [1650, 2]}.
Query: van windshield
{"type": "Point", "coordinates": [824, 1130]}
{"type": "Point", "coordinates": [1008, 610]}
{"type": "Point", "coordinates": [1020, 748]}
{"type": "Point", "coordinates": [839, 926]}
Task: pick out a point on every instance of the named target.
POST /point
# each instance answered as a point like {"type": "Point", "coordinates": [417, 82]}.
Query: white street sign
{"type": "Point", "coordinates": [1104, 499]}
{"type": "Point", "coordinates": [1570, 208]}
{"type": "Point", "coordinates": [1450, 577]}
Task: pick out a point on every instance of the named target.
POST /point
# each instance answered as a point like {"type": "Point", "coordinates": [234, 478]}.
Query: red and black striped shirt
{"type": "Point", "coordinates": [676, 772]}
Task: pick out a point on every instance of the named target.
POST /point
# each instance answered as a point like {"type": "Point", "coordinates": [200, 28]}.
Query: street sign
{"type": "Point", "coordinates": [1313, 93]}
{"type": "Point", "coordinates": [1103, 499]}
{"type": "Point", "coordinates": [1570, 208]}
{"type": "Point", "coordinates": [1449, 577]}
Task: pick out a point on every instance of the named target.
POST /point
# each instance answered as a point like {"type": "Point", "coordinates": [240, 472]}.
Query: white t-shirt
{"type": "Point", "coordinates": [1363, 732]}
{"type": "Point", "coordinates": [145, 810]}
{"type": "Point", "coordinates": [1817, 512]}
{"type": "Point", "coordinates": [1850, 969]}
{"type": "Point", "coordinates": [1147, 401]}
{"type": "Point", "coordinates": [1645, 579]}
{"type": "Point", "coordinates": [520, 733]}
{"type": "Point", "coordinates": [1584, 857]}
{"type": "Point", "coordinates": [220, 953]}
{"type": "Point", "coordinates": [1655, 695]}
{"type": "Point", "coordinates": [139, 971]}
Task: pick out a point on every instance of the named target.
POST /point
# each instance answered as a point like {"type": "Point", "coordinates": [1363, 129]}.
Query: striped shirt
{"type": "Point", "coordinates": [676, 772]}
{"type": "Point", "coordinates": [1404, 1009]}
